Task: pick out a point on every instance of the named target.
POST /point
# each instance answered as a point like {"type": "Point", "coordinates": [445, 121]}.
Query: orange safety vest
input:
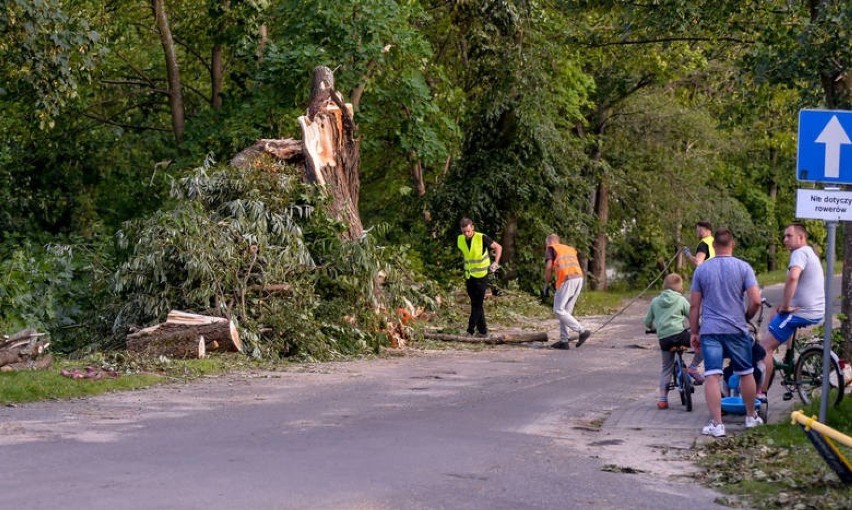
{"type": "Point", "coordinates": [566, 264]}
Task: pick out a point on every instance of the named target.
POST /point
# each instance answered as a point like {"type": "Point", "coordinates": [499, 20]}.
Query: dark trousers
{"type": "Point", "coordinates": [476, 288]}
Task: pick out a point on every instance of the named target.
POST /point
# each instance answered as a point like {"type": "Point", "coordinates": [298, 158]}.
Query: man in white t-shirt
{"type": "Point", "coordinates": [803, 303]}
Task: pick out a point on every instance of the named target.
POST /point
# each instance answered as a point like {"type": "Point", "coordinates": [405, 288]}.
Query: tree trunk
{"type": "Point", "coordinates": [846, 297]}
{"type": "Point", "coordinates": [772, 249]}
{"type": "Point", "coordinates": [510, 236]}
{"type": "Point", "coordinates": [417, 174]}
{"type": "Point", "coordinates": [597, 280]}
{"type": "Point", "coordinates": [179, 336]}
{"type": "Point", "coordinates": [332, 151]}
{"type": "Point", "coordinates": [172, 69]}
{"type": "Point", "coordinates": [217, 71]}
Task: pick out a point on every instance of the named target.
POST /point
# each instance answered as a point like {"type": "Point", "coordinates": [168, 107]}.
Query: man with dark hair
{"type": "Point", "coordinates": [477, 264]}
{"type": "Point", "coordinates": [704, 251]}
{"type": "Point", "coordinates": [718, 286]}
{"type": "Point", "coordinates": [803, 302]}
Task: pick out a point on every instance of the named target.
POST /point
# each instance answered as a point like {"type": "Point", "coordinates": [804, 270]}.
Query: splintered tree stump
{"type": "Point", "coordinates": [332, 150]}
{"type": "Point", "coordinates": [186, 335]}
{"type": "Point", "coordinates": [329, 152]}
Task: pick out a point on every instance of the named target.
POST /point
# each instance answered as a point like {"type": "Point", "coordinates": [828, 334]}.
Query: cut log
{"type": "Point", "coordinates": [508, 337]}
{"type": "Point", "coordinates": [22, 350]}
{"type": "Point", "coordinates": [180, 344]}
{"type": "Point", "coordinates": [180, 334]}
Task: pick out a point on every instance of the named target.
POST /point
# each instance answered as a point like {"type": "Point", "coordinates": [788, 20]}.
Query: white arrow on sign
{"type": "Point", "coordinates": [833, 136]}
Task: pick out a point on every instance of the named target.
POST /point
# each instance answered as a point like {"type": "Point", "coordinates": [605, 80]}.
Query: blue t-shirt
{"type": "Point", "coordinates": [722, 281]}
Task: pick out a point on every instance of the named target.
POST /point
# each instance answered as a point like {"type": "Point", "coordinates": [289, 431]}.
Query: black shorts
{"type": "Point", "coordinates": [680, 339]}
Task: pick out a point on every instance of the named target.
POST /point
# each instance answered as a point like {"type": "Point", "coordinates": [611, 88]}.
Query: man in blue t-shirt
{"type": "Point", "coordinates": [718, 286]}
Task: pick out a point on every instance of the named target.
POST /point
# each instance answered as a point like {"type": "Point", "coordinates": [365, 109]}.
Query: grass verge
{"type": "Point", "coordinates": [776, 466]}
{"type": "Point", "coordinates": [118, 372]}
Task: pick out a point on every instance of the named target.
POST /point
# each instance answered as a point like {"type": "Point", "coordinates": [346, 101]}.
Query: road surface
{"type": "Point", "coordinates": [508, 427]}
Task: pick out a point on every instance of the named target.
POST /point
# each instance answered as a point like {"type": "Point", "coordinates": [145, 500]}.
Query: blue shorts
{"type": "Point", "coordinates": [716, 348]}
{"type": "Point", "coordinates": [783, 325]}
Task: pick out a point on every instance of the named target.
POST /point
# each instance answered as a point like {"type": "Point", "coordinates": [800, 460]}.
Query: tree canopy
{"type": "Point", "coordinates": [615, 124]}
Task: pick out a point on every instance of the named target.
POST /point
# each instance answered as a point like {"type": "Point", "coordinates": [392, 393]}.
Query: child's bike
{"type": "Point", "coordinates": [681, 380]}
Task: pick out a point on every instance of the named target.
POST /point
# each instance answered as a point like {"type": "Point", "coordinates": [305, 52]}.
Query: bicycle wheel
{"type": "Point", "coordinates": [686, 384]}
{"type": "Point", "coordinates": [808, 377]}
{"type": "Point", "coordinates": [676, 379]}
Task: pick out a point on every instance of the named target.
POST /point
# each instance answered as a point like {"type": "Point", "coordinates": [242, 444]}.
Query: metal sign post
{"type": "Point", "coordinates": [826, 346]}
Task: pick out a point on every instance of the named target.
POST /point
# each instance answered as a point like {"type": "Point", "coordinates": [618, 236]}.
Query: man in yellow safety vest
{"type": "Point", "coordinates": [477, 264]}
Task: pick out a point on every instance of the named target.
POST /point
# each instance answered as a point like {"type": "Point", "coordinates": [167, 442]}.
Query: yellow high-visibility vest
{"type": "Point", "coordinates": [709, 241]}
{"type": "Point", "coordinates": [476, 258]}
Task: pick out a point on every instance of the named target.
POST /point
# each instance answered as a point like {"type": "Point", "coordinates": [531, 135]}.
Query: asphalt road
{"type": "Point", "coordinates": [507, 427]}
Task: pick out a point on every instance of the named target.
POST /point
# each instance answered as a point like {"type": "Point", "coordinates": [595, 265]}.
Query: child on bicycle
{"type": "Point", "coordinates": [667, 316]}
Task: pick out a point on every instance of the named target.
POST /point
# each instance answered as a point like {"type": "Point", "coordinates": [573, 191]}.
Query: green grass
{"type": "Point", "coordinates": [772, 277]}
{"type": "Point", "coordinates": [131, 373]}
{"type": "Point", "coordinates": [35, 385]}
{"type": "Point", "coordinates": [776, 466]}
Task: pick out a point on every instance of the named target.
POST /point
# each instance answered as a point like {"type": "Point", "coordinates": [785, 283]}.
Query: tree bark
{"type": "Point", "coordinates": [172, 69]}
{"type": "Point", "coordinates": [332, 150]}
{"type": "Point", "coordinates": [597, 280]}
{"type": "Point", "coordinates": [772, 249]}
{"type": "Point", "coordinates": [217, 71]}
{"type": "Point", "coordinates": [417, 174]}
{"type": "Point", "coordinates": [510, 236]}
{"type": "Point", "coordinates": [178, 336]}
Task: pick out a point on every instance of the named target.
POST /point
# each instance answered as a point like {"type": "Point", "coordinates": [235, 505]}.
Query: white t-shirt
{"type": "Point", "coordinates": [810, 293]}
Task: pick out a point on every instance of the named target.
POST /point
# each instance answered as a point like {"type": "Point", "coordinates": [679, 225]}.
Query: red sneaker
{"type": "Point", "coordinates": [662, 404]}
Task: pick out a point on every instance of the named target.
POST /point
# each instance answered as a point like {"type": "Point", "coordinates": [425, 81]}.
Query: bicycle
{"type": "Point", "coordinates": [681, 380]}
{"type": "Point", "coordinates": [801, 369]}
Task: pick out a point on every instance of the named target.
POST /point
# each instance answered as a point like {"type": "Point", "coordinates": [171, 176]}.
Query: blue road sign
{"type": "Point", "coordinates": [825, 148]}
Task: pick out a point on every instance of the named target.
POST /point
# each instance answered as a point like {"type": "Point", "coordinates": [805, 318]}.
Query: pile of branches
{"type": "Point", "coordinates": [26, 349]}
{"type": "Point", "coordinates": [255, 246]}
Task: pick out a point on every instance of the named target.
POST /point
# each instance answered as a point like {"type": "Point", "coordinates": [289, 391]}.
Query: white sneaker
{"type": "Point", "coordinates": [753, 421]}
{"type": "Point", "coordinates": [714, 429]}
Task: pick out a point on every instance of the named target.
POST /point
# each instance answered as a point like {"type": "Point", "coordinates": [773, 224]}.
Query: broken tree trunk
{"type": "Point", "coordinates": [186, 335]}
{"type": "Point", "coordinates": [329, 150]}
{"type": "Point", "coordinates": [332, 151]}
{"type": "Point", "coordinates": [507, 337]}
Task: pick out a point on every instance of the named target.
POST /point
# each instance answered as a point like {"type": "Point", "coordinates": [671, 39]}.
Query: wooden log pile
{"type": "Point", "coordinates": [186, 335]}
{"type": "Point", "coordinates": [26, 349]}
